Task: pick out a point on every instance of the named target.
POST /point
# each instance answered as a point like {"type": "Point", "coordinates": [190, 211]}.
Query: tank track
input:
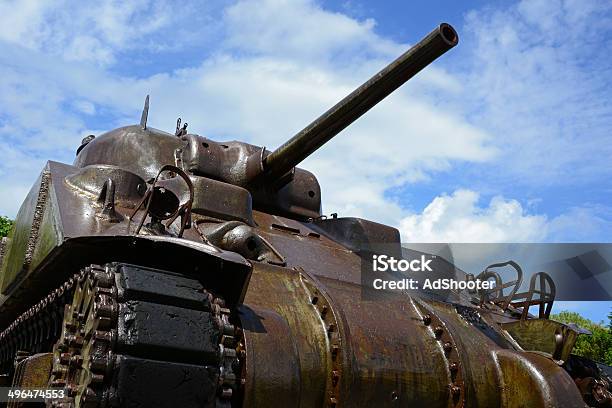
{"type": "Point", "coordinates": [134, 336]}
{"type": "Point", "coordinates": [37, 329]}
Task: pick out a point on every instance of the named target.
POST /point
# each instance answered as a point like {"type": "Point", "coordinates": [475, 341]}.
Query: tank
{"type": "Point", "coordinates": [172, 270]}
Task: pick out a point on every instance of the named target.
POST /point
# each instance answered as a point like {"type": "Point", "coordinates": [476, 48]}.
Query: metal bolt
{"type": "Point", "coordinates": [456, 391]}
{"type": "Point", "coordinates": [100, 335]}
{"type": "Point", "coordinates": [438, 331]}
{"type": "Point", "coordinates": [76, 360]}
{"type": "Point", "coordinates": [97, 378]}
{"type": "Point", "coordinates": [323, 311]}
{"type": "Point", "coordinates": [333, 402]}
{"type": "Point", "coordinates": [104, 308]}
{"type": "Point", "coordinates": [215, 308]}
{"type": "Point", "coordinates": [335, 377]}
{"type": "Point", "coordinates": [448, 347]}
{"type": "Point", "coordinates": [334, 351]}
{"type": "Point", "coordinates": [454, 366]}
{"type": "Point", "coordinates": [427, 320]}
{"type": "Point", "coordinates": [64, 358]}
{"type": "Point", "coordinates": [74, 341]}
{"type": "Point", "coordinates": [103, 279]}
{"type": "Point", "coordinates": [59, 371]}
{"type": "Point", "coordinates": [71, 389]}
{"type": "Point", "coordinates": [98, 363]}
{"type": "Point", "coordinates": [90, 396]}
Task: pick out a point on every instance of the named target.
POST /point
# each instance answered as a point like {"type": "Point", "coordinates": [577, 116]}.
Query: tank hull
{"type": "Point", "coordinates": [309, 339]}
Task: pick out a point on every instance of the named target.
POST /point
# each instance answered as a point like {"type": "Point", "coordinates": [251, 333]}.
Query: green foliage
{"type": "Point", "coordinates": [598, 346]}
{"type": "Point", "coordinates": [5, 226]}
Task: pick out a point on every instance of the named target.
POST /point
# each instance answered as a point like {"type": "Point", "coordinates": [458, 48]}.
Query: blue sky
{"type": "Point", "coordinates": [505, 138]}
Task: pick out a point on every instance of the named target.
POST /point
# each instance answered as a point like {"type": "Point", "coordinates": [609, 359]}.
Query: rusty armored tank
{"type": "Point", "coordinates": [172, 270]}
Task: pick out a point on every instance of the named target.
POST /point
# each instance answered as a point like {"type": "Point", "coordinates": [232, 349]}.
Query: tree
{"type": "Point", "coordinates": [5, 226]}
{"type": "Point", "coordinates": [597, 346]}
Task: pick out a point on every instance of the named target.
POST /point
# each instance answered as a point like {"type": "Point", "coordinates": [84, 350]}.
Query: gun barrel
{"type": "Point", "coordinates": [362, 99]}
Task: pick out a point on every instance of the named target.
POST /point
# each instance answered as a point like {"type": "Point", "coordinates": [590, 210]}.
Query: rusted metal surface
{"type": "Point", "coordinates": [548, 384]}
{"type": "Point", "coordinates": [22, 243]}
{"type": "Point", "coordinates": [595, 391]}
{"type": "Point", "coordinates": [286, 339]}
{"type": "Point", "coordinates": [336, 353]}
{"type": "Point", "coordinates": [451, 352]}
{"type": "Point", "coordinates": [542, 285]}
{"type": "Point", "coordinates": [546, 336]}
{"type": "Point", "coordinates": [3, 242]}
{"type": "Point", "coordinates": [246, 296]}
{"type": "Point", "coordinates": [31, 369]}
{"type": "Point", "coordinates": [31, 372]}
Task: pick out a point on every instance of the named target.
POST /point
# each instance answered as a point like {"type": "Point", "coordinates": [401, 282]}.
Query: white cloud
{"type": "Point", "coordinates": [536, 74]}
{"type": "Point", "coordinates": [280, 66]}
{"type": "Point", "coordinates": [85, 107]}
{"type": "Point", "coordinates": [587, 223]}
{"type": "Point", "coordinates": [22, 21]}
{"type": "Point", "coordinates": [459, 218]}
{"type": "Point", "coordinates": [276, 65]}
{"type": "Point", "coordinates": [84, 31]}
{"type": "Point", "coordinates": [301, 29]}
{"type": "Point", "coordinates": [538, 78]}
